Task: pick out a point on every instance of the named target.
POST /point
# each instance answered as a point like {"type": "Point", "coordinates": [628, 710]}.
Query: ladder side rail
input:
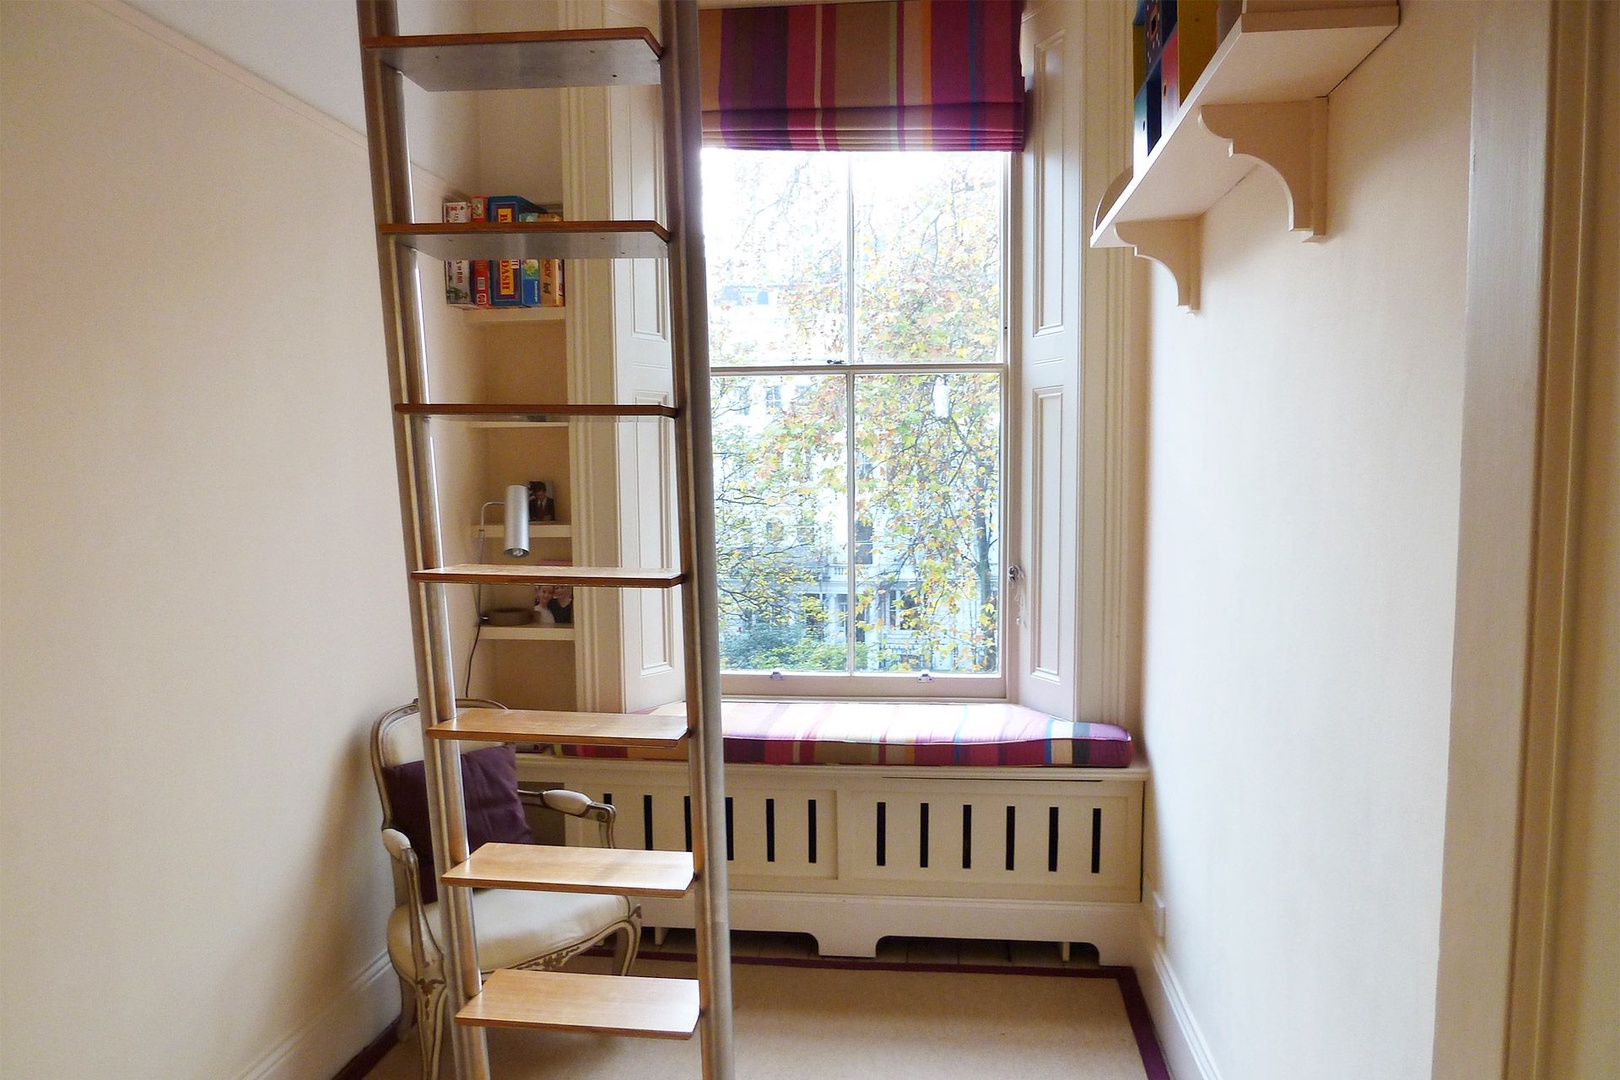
{"type": "Point", "coordinates": [389, 151]}
{"type": "Point", "coordinates": [688, 301]}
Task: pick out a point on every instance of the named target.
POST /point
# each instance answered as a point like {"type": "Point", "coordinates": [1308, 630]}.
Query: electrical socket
{"type": "Point", "coordinates": [1158, 916]}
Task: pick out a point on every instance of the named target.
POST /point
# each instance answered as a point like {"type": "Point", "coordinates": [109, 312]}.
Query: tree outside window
{"type": "Point", "coordinates": [856, 331]}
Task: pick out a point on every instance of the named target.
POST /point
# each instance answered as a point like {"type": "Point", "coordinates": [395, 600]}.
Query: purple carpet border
{"type": "Point", "coordinates": [1136, 1010]}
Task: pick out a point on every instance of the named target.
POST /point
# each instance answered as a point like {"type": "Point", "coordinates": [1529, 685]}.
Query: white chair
{"type": "Point", "coordinates": [515, 929]}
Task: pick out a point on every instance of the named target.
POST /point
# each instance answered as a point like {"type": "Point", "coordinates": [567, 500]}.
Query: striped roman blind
{"type": "Point", "coordinates": [894, 75]}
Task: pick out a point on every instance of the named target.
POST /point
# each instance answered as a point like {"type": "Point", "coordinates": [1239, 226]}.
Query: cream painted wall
{"type": "Point", "coordinates": [1303, 523]}
{"type": "Point", "coordinates": [201, 602]}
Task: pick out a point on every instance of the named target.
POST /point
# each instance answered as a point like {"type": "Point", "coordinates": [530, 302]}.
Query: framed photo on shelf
{"type": "Point", "coordinates": [542, 505]}
{"type": "Point", "coordinates": [554, 604]}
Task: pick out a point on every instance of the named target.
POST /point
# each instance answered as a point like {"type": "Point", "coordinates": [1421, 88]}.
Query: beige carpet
{"type": "Point", "coordinates": [795, 1023]}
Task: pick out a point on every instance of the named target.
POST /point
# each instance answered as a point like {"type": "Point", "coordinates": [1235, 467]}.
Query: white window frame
{"type": "Point", "coordinates": [867, 685]}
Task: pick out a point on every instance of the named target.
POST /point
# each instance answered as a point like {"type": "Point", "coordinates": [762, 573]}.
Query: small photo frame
{"type": "Point", "coordinates": [555, 601]}
{"type": "Point", "coordinates": [542, 504]}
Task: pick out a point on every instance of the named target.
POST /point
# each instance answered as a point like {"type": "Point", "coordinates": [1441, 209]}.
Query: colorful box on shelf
{"type": "Point", "coordinates": [1187, 52]}
{"type": "Point", "coordinates": [542, 278]}
{"type": "Point", "coordinates": [501, 283]}
{"type": "Point", "coordinates": [1152, 25]}
{"type": "Point", "coordinates": [506, 275]}
{"type": "Point", "coordinates": [458, 273]}
{"type": "Point", "coordinates": [1147, 118]}
{"type": "Point", "coordinates": [1174, 42]}
{"type": "Point", "coordinates": [1156, 18]}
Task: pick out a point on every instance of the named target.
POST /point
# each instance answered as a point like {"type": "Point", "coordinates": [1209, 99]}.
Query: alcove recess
{"type": "Point", "coordinates": [525, 359]}
{"type": "Point", "coordinates": [1261, 102]}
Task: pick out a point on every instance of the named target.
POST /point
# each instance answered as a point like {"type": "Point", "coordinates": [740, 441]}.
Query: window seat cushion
{"type": "Point", "coordinates": [897, 733]}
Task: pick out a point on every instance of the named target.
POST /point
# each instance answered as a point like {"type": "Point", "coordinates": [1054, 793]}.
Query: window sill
{"type": "Point", "coordinates": [763, 686]}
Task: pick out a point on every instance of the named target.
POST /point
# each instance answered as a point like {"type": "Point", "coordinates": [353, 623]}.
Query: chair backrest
{"type": "Point", "coordinates": [396, 738]}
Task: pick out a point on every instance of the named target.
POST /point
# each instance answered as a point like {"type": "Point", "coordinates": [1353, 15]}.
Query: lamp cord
{"type": "Point", "coordinates": [478, 605]}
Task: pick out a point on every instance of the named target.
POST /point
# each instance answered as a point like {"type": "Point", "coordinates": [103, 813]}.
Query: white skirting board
{"type": "Point", "coordinates": [853, 925]}
{"type": "Point", "coordinates": [1180, 1037]}
{"type": "Point", "coordinates": [357, 1014]}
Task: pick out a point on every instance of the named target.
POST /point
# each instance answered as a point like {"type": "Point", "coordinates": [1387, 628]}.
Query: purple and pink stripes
{"type": "Point", "coordinates": [897, 75]}
{"type": "Point", "coordinates": [901, 733]}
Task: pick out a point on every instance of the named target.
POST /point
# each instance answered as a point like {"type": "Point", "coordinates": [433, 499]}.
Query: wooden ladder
{"type": "Point", "coordinates": [624, 1005]}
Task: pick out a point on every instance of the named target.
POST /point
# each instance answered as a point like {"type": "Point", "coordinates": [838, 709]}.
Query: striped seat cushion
{"type": "Point", "coordinates": [898, 733]}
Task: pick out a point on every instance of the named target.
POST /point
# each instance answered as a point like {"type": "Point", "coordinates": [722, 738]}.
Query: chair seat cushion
{"type": "Point", "coordinates": [516, 926]}
{"type": "Point", "coordinates": [897, 733]}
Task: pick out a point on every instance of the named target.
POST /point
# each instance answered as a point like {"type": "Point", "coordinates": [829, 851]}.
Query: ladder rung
{"type": "Point", "coordinates": [566, 1001]}
{"type": "Point", "coordinates": [532, 413]}
{"type": "Point", "coordinates": [608, 577]}
{"type": "Point", "coordinates": [533, 239]}
{"type": "Point", "coordinates": [547, 868]}
{"type": "Point", "coordinates": [576, 728]}
{"type": "Point", "coordinates": [523, 61]}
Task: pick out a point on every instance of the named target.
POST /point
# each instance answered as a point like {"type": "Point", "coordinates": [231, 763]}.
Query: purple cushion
{"type": "Point", "coordinates": [494, 811]}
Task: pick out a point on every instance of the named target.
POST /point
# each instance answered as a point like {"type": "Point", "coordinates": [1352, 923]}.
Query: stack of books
{"type": "Point", "coordinates": [501, 283]}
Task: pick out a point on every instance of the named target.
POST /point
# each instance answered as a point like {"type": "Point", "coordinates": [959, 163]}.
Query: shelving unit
{"type": "Point", "coordinates": [532, 239]}
{"type": "Point", "coordinates": [1262, 101]}
{"type": "Point", "coordinates": [519, 365]}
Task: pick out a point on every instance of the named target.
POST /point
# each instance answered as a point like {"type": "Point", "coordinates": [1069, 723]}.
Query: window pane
{"type": "Point", "coordinates": [780, 513]}
{"type": "Point", "coordinates": [775, 230]}
{"type": "Point", "coordinates": [927, 257]}
{"type": "Point", "coordinates": [928, 522]}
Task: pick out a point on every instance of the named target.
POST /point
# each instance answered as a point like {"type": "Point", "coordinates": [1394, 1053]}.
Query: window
{"type": "Point", "coordinates": [858, 345]}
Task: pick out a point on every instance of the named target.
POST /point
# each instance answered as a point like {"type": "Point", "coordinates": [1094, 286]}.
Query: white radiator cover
{"type": "Point", "coordinates": [851, 854]}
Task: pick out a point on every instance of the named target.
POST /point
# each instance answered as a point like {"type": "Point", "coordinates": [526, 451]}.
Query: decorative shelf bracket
{"type": "Point", "coordinates": [1173, 243]}
{"type": "Point", "coordinates": [1290, 139]}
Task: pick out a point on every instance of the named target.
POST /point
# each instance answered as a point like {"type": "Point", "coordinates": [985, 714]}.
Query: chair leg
{"type": "Point", "coordinates": [628, 943]}
{"type": "Point", "coordinates": [430, 1026]}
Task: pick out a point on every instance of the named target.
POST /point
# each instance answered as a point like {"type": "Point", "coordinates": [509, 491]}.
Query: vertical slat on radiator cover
{"type": "Point", "coordinates": [992, 838]}
{"type": "Point", "coordinates": [779, 833]}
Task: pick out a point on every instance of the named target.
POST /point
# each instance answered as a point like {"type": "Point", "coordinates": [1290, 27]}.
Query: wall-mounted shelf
{"type": "Point", "coordinates": [496, 315]}
{"type": "Point", "coordinates": [533, 239]}
{"type": "Point", "coordinates": [531, 632]}
{"type": "Point", "coordinates": [1261, 101]}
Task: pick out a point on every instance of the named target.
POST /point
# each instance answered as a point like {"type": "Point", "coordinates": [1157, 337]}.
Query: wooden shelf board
{"type": "Point", "coordinates": [604, 1004]}
{"type": "Point", "coordinates": [1265, 58]}
{"type": "Point", "coordinates": [530, 632]}
{"type": "Point", "coordinates": [523, 61]}
{"type": "Point", "coordinates": [574, 728]}
{"type": "Point", "coordinates": [547, 868]}
{"type": "Point", "coordinates": [612, 577]}
{"type": "Point", "coordinates": [533, 414]}
{"type": "Point", "coordinates": [550, 530]}
{"type": "Point", "coordinates": [497, 315]}
{"type": "Point", "coordinates": [533, 239]}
